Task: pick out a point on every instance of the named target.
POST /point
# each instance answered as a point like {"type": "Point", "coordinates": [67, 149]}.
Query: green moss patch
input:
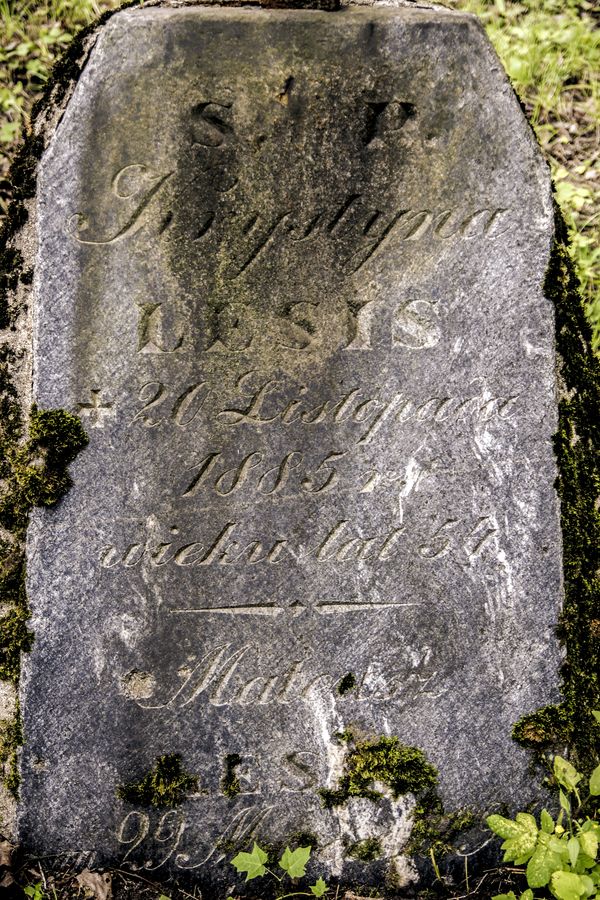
{"type": "Point", "coordinates": [577, 448]}
{"type": "Point", "coordinates": [230, 783]}
{"type": "Point", "coordinates": [11, 738]}
{"type": "Point", "coordinates": [33, 473]}
{"type": "Point", "coordinates": [165, 785]}
{"type": "Point", "coordinates": [367, 850]}
{"type": "Point", "coordinates": [386, 760]}
{"type": "Point", "coordinates": [347, 684]}
{"type": "Point", "coordinates": [436, 830]}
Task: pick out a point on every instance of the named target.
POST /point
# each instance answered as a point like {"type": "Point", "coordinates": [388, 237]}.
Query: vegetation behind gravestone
{"type": "Point", "coordinates": [550, 48]}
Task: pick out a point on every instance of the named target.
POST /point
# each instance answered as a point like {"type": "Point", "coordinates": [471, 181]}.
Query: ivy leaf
{"type": "Point", "coordinates": [566, 774]}
{"type": "Point", "coordinates": [319, 888]}
{"type": "Point", "coordinates": [567, 886]}
{"type": "Point", "coordinates": [294, 862]}
{"type": "Point", "coordinates": [547, 822]}
{"type": "Point", "coordinates": [595, 782]}
{"type": "Point", "coordinates": [251, 863]}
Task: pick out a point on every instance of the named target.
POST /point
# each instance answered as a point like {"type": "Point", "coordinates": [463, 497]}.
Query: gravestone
{"type": "Point", "coordinates": [289, 274]}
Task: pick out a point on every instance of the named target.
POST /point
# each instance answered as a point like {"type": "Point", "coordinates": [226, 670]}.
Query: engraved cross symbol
{"type": "Point", "coordinates": [95, 410]}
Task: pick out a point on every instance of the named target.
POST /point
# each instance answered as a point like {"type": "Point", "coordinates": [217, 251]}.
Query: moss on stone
{"type": "Point", "coordinates": [303, 839]}
{"type": "Point", "coordinates": [36, 472]}
{"type": "Point", "coordinates": [34, 454]}
{"type": "Point", "coordinates": [347, 684]}
{"type": "Point", "coordinates": [230, 783]}
{"type": "Point", "coordinates": [15, 639]}
{"type": "Point", "coordinates": [33, 473]}
{"type": "Point", "coordinates": [434, 829]}
{"type": "Point", "coordinates": [366, 850]}
{"type": "Point", "coordinates": [386, 760]}
{"type": "Point", "coordinates": [344, 737]}
{"type": "Point", "coordinates": [11, 738]}
{"type": "Point", "coordinates": [165, 785]}
{"type": "Point", "coordinates": [577, 448]}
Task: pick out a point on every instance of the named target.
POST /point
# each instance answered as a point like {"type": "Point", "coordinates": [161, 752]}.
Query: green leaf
{"type": "Point", "coordinates": [595, 782]}
{"type": "Point", "coordinates": [566, 774]}
{"type": "Point", "coordinates": [565, 802]}
{"type": "Point", "coordinates": [567, 886]}
{"type": "Point", "coordinates": [506, 828]}
{"type": "Point", "coordinates": [547, 822]}
{"type": "Point", "coordinates": [509, 896]}
{"type": "Point", "coordinates": [542, 864]}
{"type": "Point", "coordinates": [558, 844]}
{"type": "Point", "coordinates": [319, 888]}
{"type": "Point", "coordinates": [35, 891]}
{"type": "Point", "coordinates": [251, 863]}
{"type": "Point", "coordinates": [573, 847]}
{"type": "Point", "coordinates": [294, 862]}
{"type": "Point", "coordinates": [588, 884]}
{"type": "Point", "coordinates": [521, 836]}
{"type": "Point", "coordinates": [164, 897]}
{"type": "Point", "coordinates": [589, 843]}
{"type": "Point", "coordinates": [527, 895]}
{"type": "Point", "coordinates": [596, 714]}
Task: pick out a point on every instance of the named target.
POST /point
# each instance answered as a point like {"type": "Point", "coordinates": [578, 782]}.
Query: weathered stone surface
{"type": "Point", "coordinates": [289, 274]}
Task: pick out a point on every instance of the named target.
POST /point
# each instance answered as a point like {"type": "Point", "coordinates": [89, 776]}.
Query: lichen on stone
{"type": "Point", "coordinates": [167, 784]}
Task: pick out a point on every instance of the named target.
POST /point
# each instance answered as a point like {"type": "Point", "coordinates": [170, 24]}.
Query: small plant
{"type": "Point", "coordinates": [561, 855]}
{"type": "Point", "coordinates": [293, 863]}
{"type": "Point", "coordinates": [35, 891]}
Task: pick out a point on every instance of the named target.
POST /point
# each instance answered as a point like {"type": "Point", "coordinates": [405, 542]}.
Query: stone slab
{"type": "Point", "coordinates": [289, 274]}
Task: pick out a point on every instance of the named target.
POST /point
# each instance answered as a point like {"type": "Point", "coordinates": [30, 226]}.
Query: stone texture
{"type": "Point", "coordinates": [289, 274]}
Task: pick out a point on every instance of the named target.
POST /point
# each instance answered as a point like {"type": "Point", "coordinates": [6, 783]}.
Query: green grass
{"type": "Point", "coordinates": [32, 36]}
{"type": "Point", "coordinates": [551, 51]}
{"type": "Point", "coordinates": [550, 48]}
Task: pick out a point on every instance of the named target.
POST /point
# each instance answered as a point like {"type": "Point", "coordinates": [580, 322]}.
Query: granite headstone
{"type": "Point", "coordinates": [289, 274]}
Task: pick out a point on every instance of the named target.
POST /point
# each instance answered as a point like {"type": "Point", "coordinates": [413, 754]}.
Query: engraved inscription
{"type": "Point", "coordinates": [210, 123]}
{"type": "Point", "coordinates": [384, 118]}
{"type": "Point", "coordinates": [230, 676]}
{"type": "Point", "coordinates": [151, 338]}
{"type": "Point", "coordinates": [343, 542]}
{"type": "Point", "coordinates": [168, 829]}
{"type": "Point", "coordinates": [95, 411]}
{"type": "Point", "coordinates": [163, 404]}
